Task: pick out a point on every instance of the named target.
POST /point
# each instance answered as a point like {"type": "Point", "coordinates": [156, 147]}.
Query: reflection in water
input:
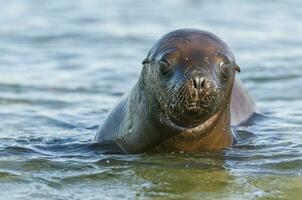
{"type": "Point", "coordinates": [64, 65]}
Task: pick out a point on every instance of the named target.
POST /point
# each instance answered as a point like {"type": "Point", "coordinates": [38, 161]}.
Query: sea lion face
{"type": "Point", "coordinates": [192, 73]}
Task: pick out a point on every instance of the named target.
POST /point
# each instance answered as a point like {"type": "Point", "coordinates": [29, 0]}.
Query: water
{"type": "Point", "coordinates": [65, 64]}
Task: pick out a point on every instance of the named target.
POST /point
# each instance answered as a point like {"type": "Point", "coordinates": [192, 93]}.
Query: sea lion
{"type": "Point", "coordinates": [186, 98]}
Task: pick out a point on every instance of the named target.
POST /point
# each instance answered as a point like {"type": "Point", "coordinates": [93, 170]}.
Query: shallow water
{"type": "Point", "coordinates": [65, 64]}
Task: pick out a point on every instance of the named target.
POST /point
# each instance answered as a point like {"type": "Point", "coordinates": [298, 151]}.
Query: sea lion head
{"type": "Point", "coordinates": [190, 75]}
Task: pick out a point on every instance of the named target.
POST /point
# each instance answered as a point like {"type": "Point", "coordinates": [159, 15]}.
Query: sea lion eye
{"type": "Point", "coordinates": [225, 68]}
{"type": "Point", "coordinates": [164, 67]}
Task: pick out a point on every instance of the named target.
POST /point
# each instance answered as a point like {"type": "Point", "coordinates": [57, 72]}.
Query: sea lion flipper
{"type": "Point", "coordinates": [242, 104]}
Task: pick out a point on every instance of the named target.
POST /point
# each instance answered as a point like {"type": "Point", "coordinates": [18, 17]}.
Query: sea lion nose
{"type": "Point", "coordinates": [199, 82]}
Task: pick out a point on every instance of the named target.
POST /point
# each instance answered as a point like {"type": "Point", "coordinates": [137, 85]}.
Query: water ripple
{"type": "Point", "coordinates": [65, 64]}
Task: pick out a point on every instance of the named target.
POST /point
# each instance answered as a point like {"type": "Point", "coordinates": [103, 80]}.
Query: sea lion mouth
{"type": "Point", "coordinates": [193, 106]}
{"type": "Point", "coordinates": [197, 106]}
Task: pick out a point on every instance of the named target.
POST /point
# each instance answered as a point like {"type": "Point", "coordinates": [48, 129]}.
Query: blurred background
{"type": "Point", "coordinates": [65, 64]}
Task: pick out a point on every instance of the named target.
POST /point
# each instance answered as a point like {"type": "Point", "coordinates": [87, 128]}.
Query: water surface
{"type": "Point", "coordinates": [65, 64]}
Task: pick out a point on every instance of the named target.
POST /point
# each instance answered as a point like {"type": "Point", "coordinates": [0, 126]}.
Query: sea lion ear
{"type": "Point", "coordinates": [238, 68]}
{"type": "Point", "coordinates": [146, 61]}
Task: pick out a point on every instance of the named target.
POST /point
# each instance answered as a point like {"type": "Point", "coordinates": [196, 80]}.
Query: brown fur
{"type": "Point", "coordinates": [169, 110]}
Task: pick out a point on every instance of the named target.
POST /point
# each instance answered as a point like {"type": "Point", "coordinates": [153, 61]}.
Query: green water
{"type": "Point", "coordinates": [65, 64]}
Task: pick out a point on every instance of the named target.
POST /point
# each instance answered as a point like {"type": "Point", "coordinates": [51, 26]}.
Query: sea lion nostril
{"type": "Point", "coordinates": [202, 84]}
{"type": "Point", "coordinates": [198, 82]}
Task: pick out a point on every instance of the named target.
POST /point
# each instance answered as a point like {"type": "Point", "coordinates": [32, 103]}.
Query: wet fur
{"type": "Point", "coordinates": [147, 118]}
